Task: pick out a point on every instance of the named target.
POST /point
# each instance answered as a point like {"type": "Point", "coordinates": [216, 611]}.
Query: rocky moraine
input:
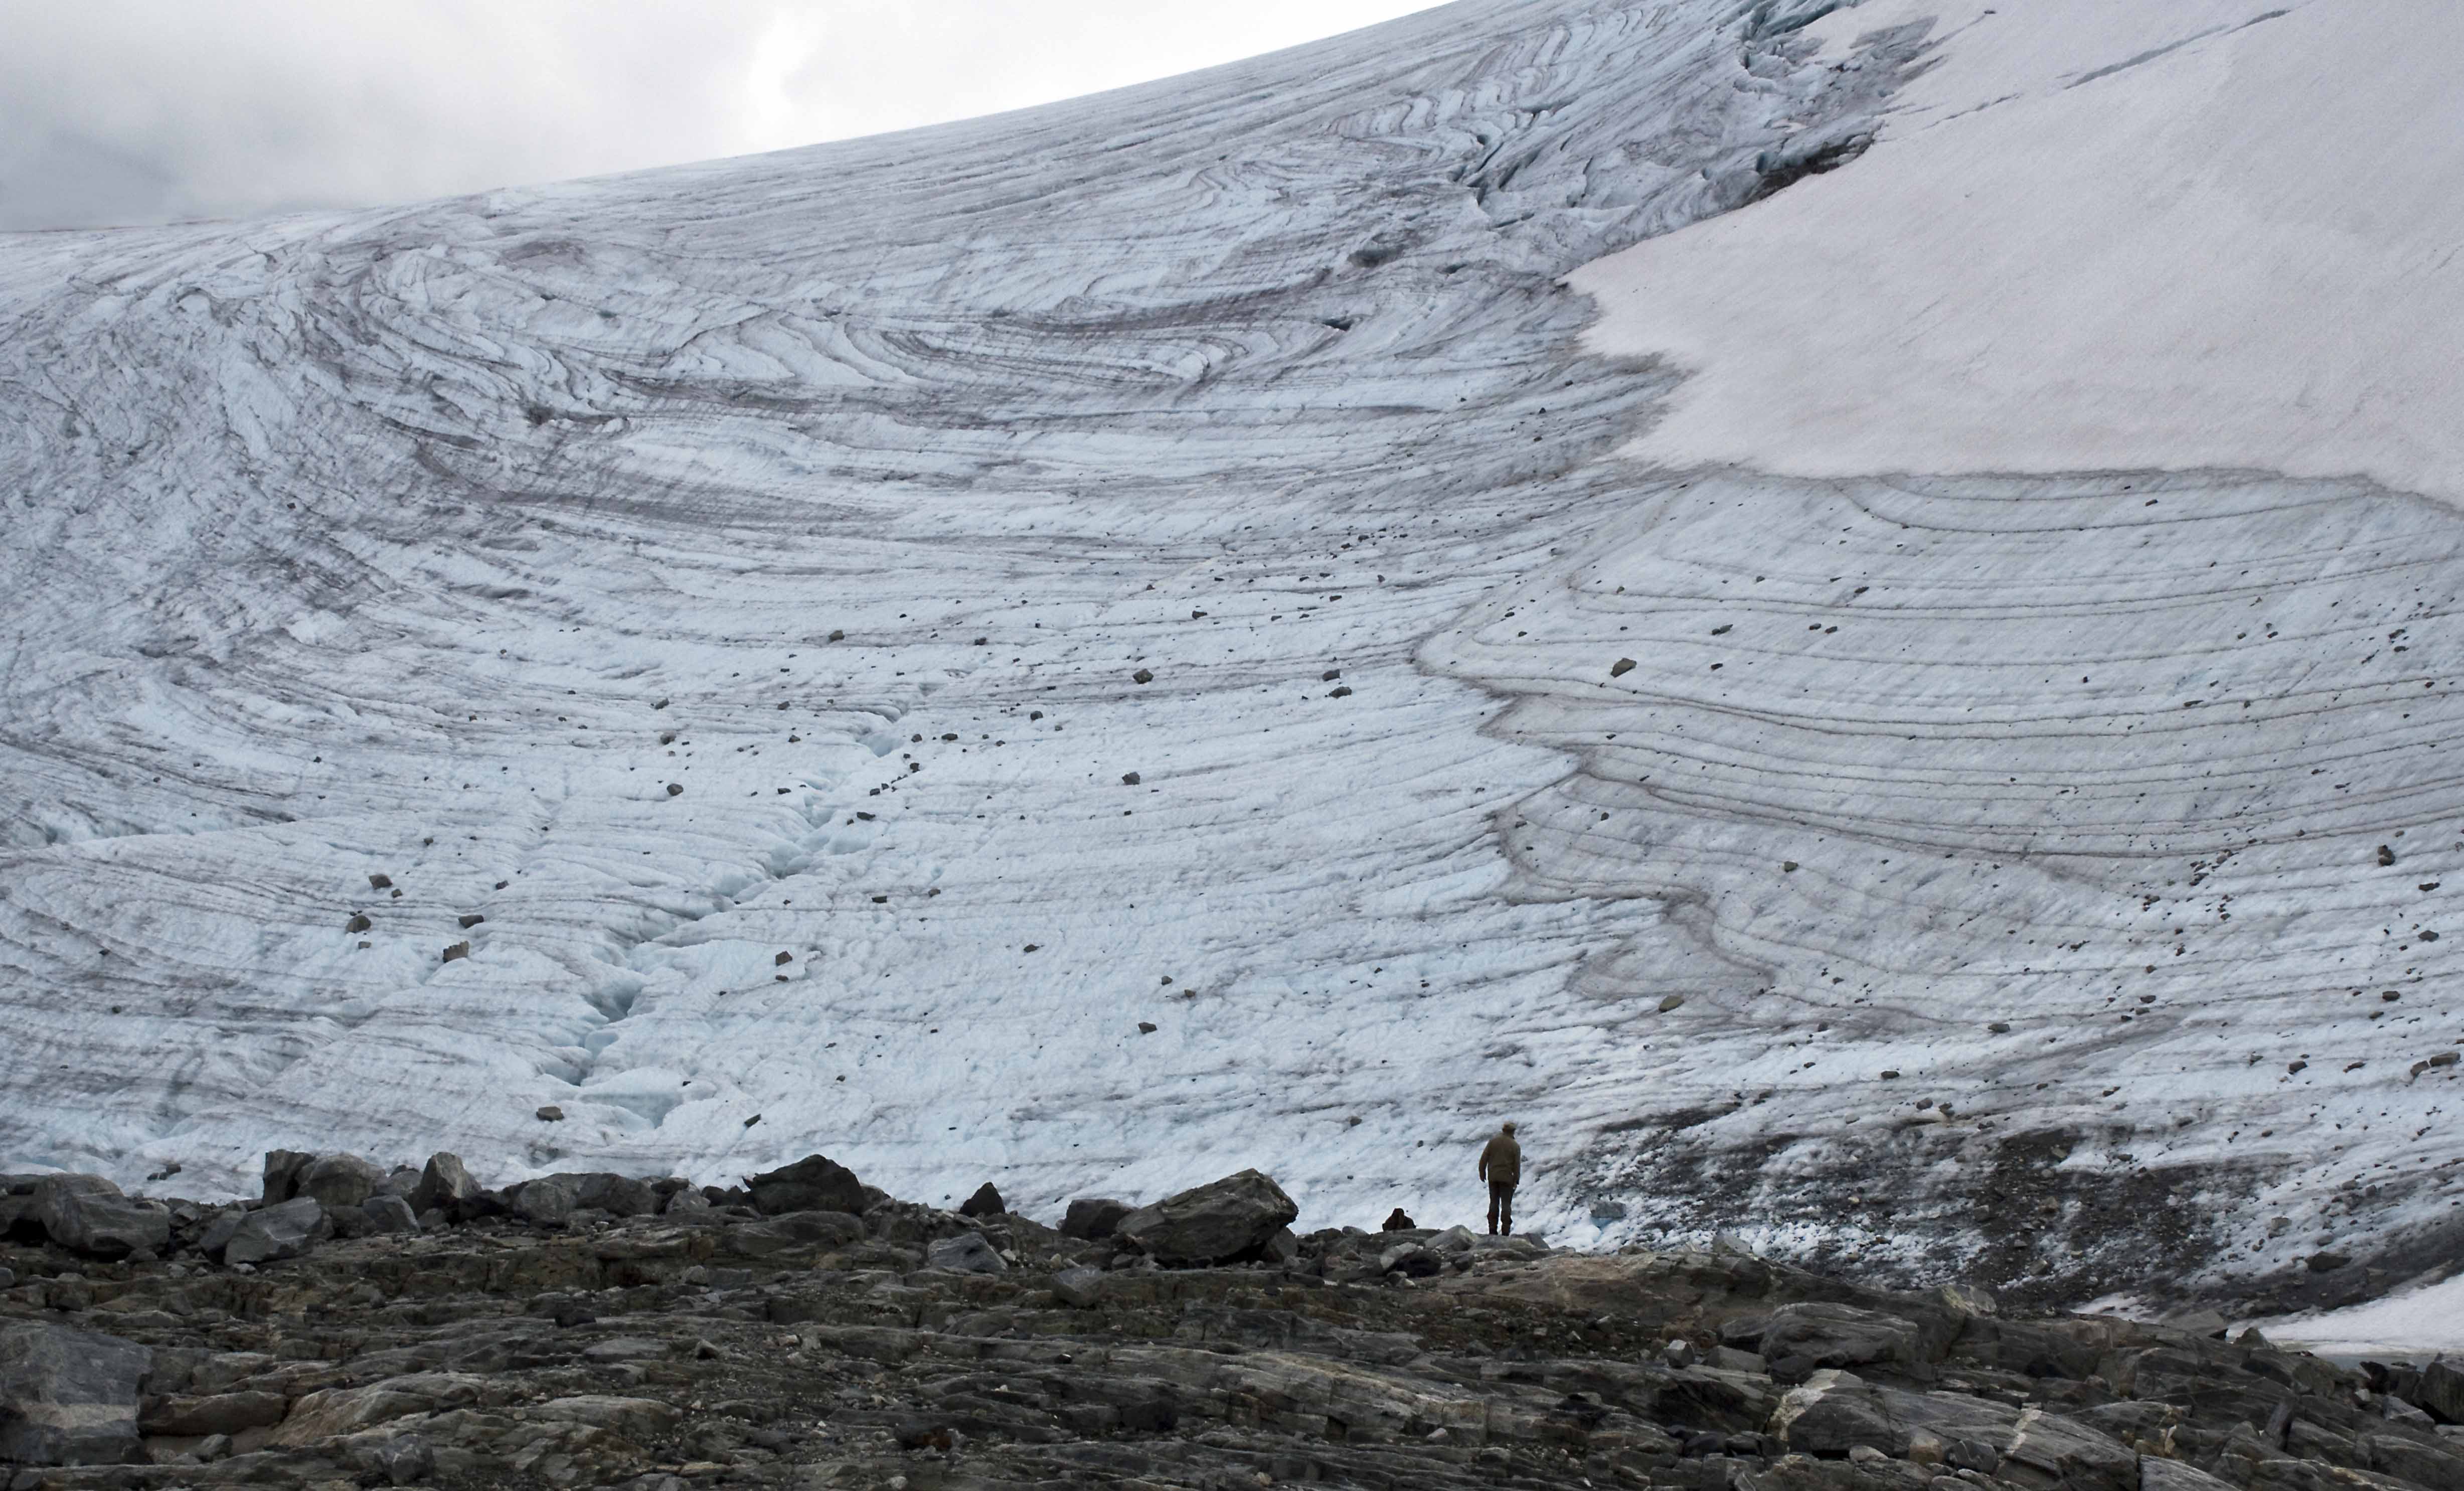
{"type": "Point", "coordinates": [360, 1328]}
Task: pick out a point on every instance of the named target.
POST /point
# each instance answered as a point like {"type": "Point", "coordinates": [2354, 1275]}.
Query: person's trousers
{"type": "Point", "coordinates": [1501, 1207]}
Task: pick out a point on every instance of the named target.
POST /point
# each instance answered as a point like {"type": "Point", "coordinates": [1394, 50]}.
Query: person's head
{"type": "Point", "coordinates": [1508, 1129]}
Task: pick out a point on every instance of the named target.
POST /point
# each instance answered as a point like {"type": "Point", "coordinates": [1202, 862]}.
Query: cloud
{"type": "Point", "coordinates": [143, 111]}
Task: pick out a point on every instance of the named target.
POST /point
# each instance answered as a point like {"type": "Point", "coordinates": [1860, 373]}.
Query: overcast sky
{"type": "Point", "coordinates": [140, 111]}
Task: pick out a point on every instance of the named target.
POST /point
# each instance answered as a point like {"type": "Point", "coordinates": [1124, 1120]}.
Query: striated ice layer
{"type": "Point", "coordinates": [683, 570]}
{"type": "Point", "coordinates": [751, 589]}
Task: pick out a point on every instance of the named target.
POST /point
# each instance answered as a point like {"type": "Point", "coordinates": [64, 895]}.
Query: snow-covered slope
{"type": "Point", "coordinates": [751, 587]}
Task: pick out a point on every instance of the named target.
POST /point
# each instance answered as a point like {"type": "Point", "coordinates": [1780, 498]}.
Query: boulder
{"type": "Point", "coordinates": [1080, 1287]}
{"type": "Point", "coordinates": [86, 1214]}
{"type": "Point", "coordinates": [219, 1232]}
{"type": "Point", "coordinates": [685, 1202]}
{"type": "Point", "coordinates": [283, 1168]}
{"type": "Point", "coordinates": [2440, 1390]}
{"type": "Point", "coordinates": [1834, 1412]}
{"type": "Point", "coordinates": [340, 1180]}
{"type": "Point", "coordinates": [549, 1201]}
{"type": "Point", "coordinates": [2051, 1450]}
{"type": "Point", "coordinates": [618, 1196]}
{"type": "Point", "coordinates": [390, 1214]}
{"type": "Point", "coordinates": [967, 1253]}
{"type": "Point", "coordinates": [1225, 1221]}
{"type": "Point", "coordinates": [986, 1202]}
{"type": "Point", "coordinates": [1815, 1335]}
{"type": "Point", "coordinates": [68, 1397]}
{"type": "Point", "coordinates": [1092, 1219]}
{"type": "Point", "coordinates": [287, 1231]}
{"type": "Point", "coordinates": [814, 1183]}
{"type": "Point", "coordinates": [444, 1185]}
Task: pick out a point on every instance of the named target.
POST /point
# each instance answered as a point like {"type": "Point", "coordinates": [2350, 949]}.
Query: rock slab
{"type": "Point", "coordinates": [68, 1397]}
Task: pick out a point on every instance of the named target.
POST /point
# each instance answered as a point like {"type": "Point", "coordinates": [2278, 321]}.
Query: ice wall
{"type": "Point", "coordinates": [751, 588]}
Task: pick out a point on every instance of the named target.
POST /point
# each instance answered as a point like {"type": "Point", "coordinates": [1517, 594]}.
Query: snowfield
{"type": "Point", "coordinates": [850, 637]}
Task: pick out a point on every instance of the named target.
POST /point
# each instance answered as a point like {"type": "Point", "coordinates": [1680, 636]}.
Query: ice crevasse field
{"type": "Point", "coordinates": [1845, 611]}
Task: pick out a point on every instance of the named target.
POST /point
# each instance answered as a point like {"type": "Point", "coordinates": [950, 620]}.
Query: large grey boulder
{"type": "Point", "coordinates": [548, 1201]}
{"type": "Point", "coordinates": [1094, 1217]}
{"type": "Point", "coordinates": [283, 1168]}
{"type": "Point", "coordinates": [86, 1214]}
{"type": "Point", "coordinates": [2440, 1389]}
{"type": "Point", "coordinates": [287, 1231]}
{"type": "Point", "coordinates": [815, 1183]}
{"type": "Point", "coordinates": [444, 1185]}
{"type": "Point", "coordinates": [688, 1202]}
{"type": "Point", "coordinates": [341, 1180]}
{"type": "Point", "coordinates": [68, 1397]}
{"type": "Point", "coordinates": [1225, 1221]}
{"type": "Point", "coordinates": [1081, 1287]}
{"type": "Point", "coordinates": [218, 1232]}
{"type": "Point", "coordinates": [618, 1196]}
{"type": "Point", "coordinates": [390, 1214]}
{"type": "Point", "coordinates": [967, 1253]}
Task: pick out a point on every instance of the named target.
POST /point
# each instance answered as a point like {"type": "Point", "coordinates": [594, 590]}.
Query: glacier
{"type": "Point", "coordinates": [1101, 646]}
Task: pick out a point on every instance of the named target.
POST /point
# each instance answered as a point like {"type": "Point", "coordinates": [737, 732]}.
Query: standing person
{"type": "Point", "coordinates": [1500, 1165]}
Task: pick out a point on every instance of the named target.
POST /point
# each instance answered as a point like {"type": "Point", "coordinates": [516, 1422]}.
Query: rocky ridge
{"type": "Point", "coordinates": [356, 1328]}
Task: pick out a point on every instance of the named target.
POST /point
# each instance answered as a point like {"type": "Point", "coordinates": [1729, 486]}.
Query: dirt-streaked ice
{"type": "Point", "coordinates": [877, 476]}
